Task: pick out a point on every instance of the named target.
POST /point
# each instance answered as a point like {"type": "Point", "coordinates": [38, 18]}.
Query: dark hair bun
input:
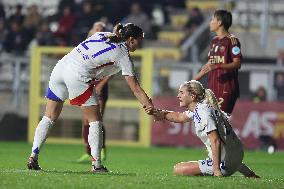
{"type": "Point", "coordinates": [118, 29]}
{"type": "Point", "coordinates": [122, 33]}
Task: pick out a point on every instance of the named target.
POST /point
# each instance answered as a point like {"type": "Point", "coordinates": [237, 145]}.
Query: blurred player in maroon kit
{"type": "Point", "coordinates": [102, 92]}
{"type": "Point", "coordinates": [224, 60]}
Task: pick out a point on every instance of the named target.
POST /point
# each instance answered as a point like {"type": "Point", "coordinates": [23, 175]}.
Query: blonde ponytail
{"type": "Point", "coordinates": [211, 100]}
{"type": "Point", "coordinates": [224, 128]}
{"type": "Point", "coordinates": [221, 116]}
{"type": "Point", "coordinates": [203, 95]}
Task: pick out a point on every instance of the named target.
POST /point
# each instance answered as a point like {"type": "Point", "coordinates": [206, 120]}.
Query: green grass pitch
{"type": "Point", "coordinates": [131, 168]}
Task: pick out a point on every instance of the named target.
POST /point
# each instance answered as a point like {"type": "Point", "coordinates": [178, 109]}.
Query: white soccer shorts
{"type": "Point", "coordinates": [64, 83]}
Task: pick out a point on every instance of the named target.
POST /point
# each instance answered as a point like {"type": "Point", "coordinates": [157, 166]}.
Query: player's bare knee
{"type": "Point", "coordinates": [85, 121]}
{"type": "Point", "coordinates": [179, 169]}
{"type": "Point", "coordinates": [52, 116]}
{"type": "Point", "coordinates": [175, 169]}
{"type": "Point", "coordinates": [182, 171]}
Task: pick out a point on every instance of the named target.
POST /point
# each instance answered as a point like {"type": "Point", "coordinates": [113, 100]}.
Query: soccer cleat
{"type": "Point", "coordinates": [253, 175]}
{"type": "Point", "coordinates": [101, 169]}
{"type": "Point", "coordinates": [84, 158]}
{"type": "Point", "coordinates": [87, 158]}
{"type": "Point", "coordinates": [33, 164]}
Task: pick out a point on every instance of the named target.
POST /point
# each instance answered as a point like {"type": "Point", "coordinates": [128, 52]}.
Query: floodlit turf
{"type": "Point", "coordinates": [132, 168]}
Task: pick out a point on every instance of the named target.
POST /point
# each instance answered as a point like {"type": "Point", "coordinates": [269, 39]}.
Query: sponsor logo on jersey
{"type": "Point", "coordinates": [236, 50]}
{"type": "Point", "coordinates": [216, 59]}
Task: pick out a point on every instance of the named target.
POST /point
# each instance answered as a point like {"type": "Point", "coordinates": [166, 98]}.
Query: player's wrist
{"type": "Point", "coordinates": [218, 173]}
{"type": "Point", "coordinates": [216, 168]}
{"type": "Point", "coordinates": [218, 66]}
{"type": "Point", "coordinates": [163, 113]}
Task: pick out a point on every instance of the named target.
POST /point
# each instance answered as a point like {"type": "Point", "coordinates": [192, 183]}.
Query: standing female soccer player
{"type": "Point", "coordinates": [99, 56]}
{"type": "Point", "coordinates": [225, 150]}
{"type": "Point", "coordinates": [101, 88]}
{"type": "Point", "coordinates": [224, 60]}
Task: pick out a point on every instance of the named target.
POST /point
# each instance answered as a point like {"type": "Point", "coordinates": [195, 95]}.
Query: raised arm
{"type": "Point", "coordinates": [208, 67]}
{"type": "Point", "coordinates": [138, 92]}
{"type": "Point", "coordinates": [236, 64]}
{"type": "Point", "coordinates": [176, 117]}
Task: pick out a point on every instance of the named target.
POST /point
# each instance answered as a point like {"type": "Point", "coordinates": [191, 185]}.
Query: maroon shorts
{"type": "Point", "coordinates": [227, 101]}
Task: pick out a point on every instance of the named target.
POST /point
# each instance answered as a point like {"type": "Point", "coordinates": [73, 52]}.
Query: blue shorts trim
{"type": "Point", "coordinates": [50, 95]}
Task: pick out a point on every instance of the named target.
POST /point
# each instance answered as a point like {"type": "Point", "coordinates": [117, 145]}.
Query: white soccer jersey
{"type": "Point", "coordinates": [204, 122]}
{"type": "Point", "coordinates": [93, 59]}
{"type": "Point", "coordinates": [96, 58]}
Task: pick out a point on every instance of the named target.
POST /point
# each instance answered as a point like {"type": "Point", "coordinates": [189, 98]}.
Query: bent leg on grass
{"type": "Point", "coordinates": [187, 168]}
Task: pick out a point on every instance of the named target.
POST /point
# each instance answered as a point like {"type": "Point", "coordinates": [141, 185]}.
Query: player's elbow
{"type": "Point", "coordinates": [239, 66]}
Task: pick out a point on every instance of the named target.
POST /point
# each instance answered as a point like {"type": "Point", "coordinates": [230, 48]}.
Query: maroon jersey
{"type": "Point", "coordinates": [224, 83]}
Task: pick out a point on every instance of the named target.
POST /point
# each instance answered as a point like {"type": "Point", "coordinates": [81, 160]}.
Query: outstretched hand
{"type": "Point", "coordinates": [149, 110]}
{"type": "Point", "coordinates": [158, 114]}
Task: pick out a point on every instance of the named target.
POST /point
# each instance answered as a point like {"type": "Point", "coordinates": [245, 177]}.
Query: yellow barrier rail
{"type": "Point", "coordinates": [36, 100]}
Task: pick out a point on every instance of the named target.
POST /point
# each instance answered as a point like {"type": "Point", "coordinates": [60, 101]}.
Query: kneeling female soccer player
{"type": "Point", "coordinates": [225, 150]}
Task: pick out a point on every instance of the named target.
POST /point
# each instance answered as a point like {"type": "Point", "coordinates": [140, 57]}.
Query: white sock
{"type": "Point", "coordinates": [245, 170]}
{"type": "Point", "coordinates": [40, 135]}
{"type": "Point", "coordinates": [95, 139]}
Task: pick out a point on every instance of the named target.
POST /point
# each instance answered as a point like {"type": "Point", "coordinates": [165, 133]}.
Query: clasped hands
{"type": "Point", "coordinates": [159, 115]}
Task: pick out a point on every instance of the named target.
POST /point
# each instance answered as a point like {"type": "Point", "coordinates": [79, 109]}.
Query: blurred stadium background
{"type": "Point", "coordinates": [35, 34]}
